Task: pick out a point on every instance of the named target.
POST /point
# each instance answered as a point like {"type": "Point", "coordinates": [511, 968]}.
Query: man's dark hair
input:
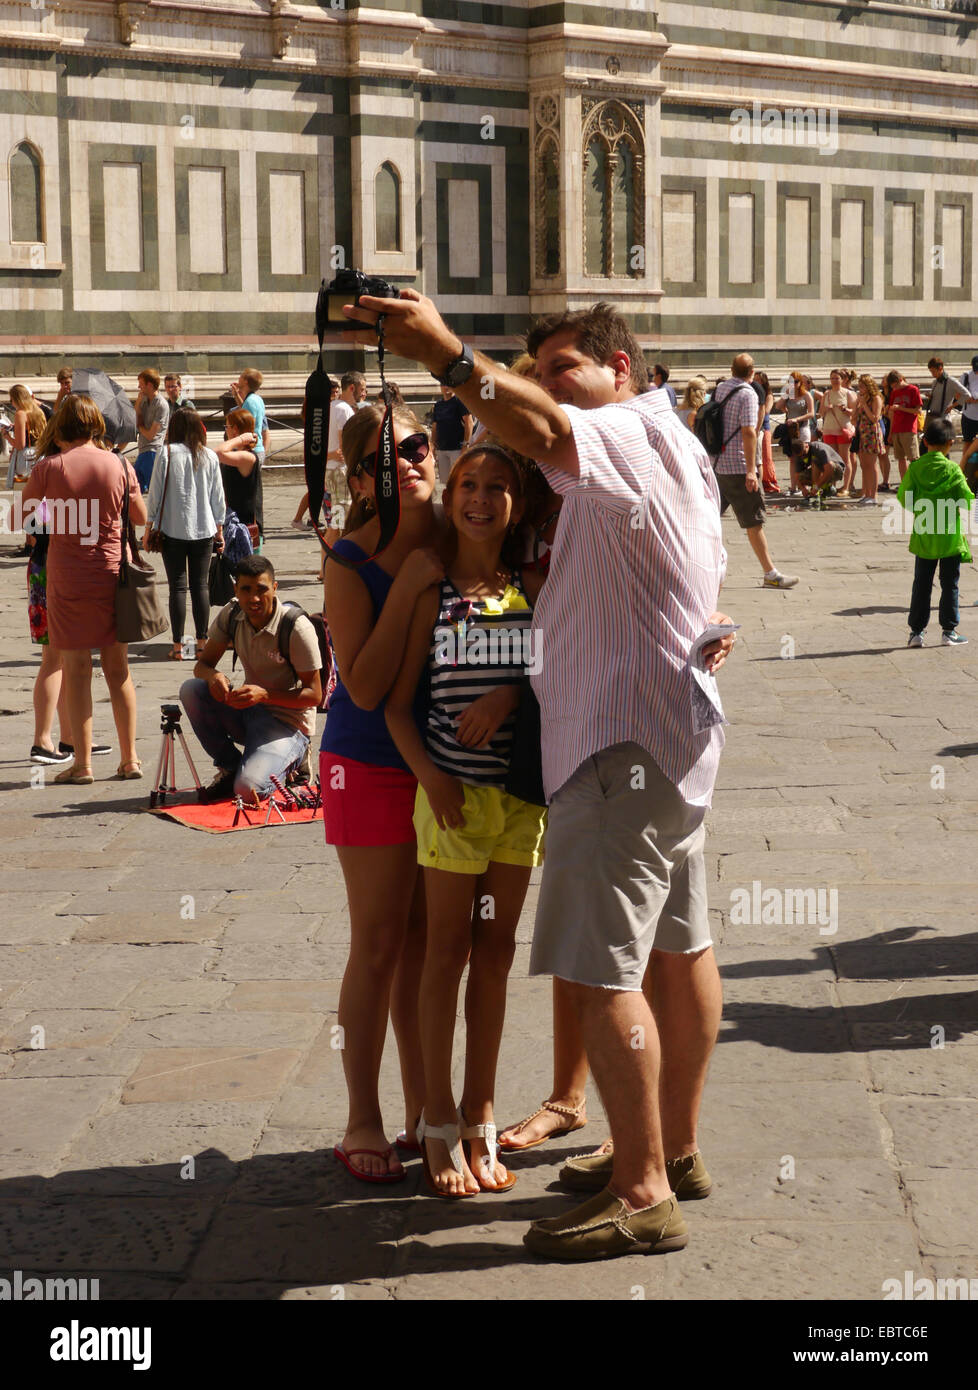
{"type": "Point", "coordinates": [253, 565]}
{"type": "Point", "coordinates": [938, 433]}
{"type": "Point", "coordinates": [599, 333]}
{"type": "Point", "coordinates": [935, 362]}
{"type": "Point", "coordinates": [660, 369]}
{"type": "Point", "coordinates": [352, 379]}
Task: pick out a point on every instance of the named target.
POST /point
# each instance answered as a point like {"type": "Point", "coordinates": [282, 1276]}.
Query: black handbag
{"type": "Point", "coordinates": [220, 581]}
{"type": "Point", "coordinates": [525, 776]}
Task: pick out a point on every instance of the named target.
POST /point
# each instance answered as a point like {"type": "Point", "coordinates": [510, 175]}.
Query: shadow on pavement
{"type": "Point", "coordinates": [262, 1225]}
{"type": "Point", "coordinates": [903, 1020]}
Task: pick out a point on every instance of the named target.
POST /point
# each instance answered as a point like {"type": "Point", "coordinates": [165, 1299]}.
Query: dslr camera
{"type": "Point", "coordinates": [347, 288]}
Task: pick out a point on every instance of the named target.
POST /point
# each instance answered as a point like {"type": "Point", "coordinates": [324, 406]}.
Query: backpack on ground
{"type": "Point", "coordinates": [708, 425]}
{"type": "Point", "coordinates": [293, 612]}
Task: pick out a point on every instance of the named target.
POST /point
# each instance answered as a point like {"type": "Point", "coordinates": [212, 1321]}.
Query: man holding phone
{"type": "Point", "coordinates": [273, 714]}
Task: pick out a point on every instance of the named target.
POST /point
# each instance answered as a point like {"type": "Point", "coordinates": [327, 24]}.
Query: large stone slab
{"type": "Point", "coordinates": [803, 1261]}
{"type": "Point", "coordinates": [809, 1120]}
{"type": "Point", "coordinates": [65, 1028]}
{"type": "Point", "coordinates": [41, 1115]}
{"type": "Point", "coordinates": [934, 1133]}
{"type": "Point", "coordinates": [223, 1028]}
{"type": "Point", "coordinates": [215, 1073]}
{"type": "Point", "coordinates": [83, 1235]}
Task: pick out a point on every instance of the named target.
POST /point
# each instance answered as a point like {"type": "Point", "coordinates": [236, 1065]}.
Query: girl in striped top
{"type": "Point", "coordinates": [472, 634]}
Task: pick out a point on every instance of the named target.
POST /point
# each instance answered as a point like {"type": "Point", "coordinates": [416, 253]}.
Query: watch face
{"type": "Point", "coordinates": [460, 370]}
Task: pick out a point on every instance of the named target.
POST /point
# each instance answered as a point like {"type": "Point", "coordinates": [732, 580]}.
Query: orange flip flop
{"type": "Point", "coordinates": [344, 1157]}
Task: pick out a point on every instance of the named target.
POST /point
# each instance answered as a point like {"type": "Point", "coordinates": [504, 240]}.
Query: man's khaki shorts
{"type": "Point", "coordinates": [747, 507]}
{"type": "Point", "coordinates": [904, 445]}
{"type": "Point", "coordinates": [624, 873]}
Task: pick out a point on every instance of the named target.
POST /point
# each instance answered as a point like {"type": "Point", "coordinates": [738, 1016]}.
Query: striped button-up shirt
{"type": "Point", "coordinates": [635, 574]}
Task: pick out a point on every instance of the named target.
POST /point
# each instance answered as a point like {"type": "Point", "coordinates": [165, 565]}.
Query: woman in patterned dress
{"type": "Point", "coordinates": [866, 417]}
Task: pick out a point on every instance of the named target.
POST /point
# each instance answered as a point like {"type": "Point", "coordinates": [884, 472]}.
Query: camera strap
{"type": "Point", "coordinates": [315, 442]}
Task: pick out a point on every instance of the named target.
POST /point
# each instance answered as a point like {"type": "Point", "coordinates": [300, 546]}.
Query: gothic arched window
{"type": "Point", "coordinates": [614, 191]}
{"type": "Point", "coordinates": [387, 208]}
{"type": "Point", "coordinates": [26, 194]}
{"type": "Point", "coordinates": [548, 192]}
{"type": "Point", "coordinates": [596, 209]}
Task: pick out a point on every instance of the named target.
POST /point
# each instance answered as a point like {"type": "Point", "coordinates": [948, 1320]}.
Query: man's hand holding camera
{"type": "Point", "coordinates": [413, 328]}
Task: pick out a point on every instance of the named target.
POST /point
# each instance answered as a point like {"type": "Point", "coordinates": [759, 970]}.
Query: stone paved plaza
{"type": "Point", "coordinates": [187, 986]}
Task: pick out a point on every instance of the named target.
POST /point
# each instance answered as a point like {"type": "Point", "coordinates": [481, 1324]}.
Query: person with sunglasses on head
{"type": "Point", "coordinates": [368, 790]}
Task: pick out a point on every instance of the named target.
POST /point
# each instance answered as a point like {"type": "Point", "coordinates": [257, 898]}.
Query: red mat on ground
{"type": "Point", "coordinates": [219, 818]}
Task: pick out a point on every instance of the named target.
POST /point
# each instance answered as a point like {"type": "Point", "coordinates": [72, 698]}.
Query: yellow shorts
{"type": "Point", "coordinates": [498, 829]}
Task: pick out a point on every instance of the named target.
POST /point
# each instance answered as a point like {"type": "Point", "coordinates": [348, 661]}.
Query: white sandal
{"type": "Point", "coordinates": [449, 1136]}
{"type": "Point", "coordinates": [487, 1133]}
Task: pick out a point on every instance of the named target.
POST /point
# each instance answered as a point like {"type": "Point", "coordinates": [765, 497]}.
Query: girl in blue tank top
{"type": "Point", "coordinates": [368, 792]}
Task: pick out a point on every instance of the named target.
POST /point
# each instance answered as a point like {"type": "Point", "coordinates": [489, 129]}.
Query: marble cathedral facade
{"type": "Point", "coordinates": [796, 176]}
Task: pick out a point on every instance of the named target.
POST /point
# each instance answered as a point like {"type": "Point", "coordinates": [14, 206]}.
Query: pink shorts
{"type": "Point", "coordinates": [366, 805]}
{"type": "Point", "coordinates": [835, 441]}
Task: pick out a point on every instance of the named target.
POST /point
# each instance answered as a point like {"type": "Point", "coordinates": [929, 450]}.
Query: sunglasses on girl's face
{"type": "Point", "coordinates": [412, 450]}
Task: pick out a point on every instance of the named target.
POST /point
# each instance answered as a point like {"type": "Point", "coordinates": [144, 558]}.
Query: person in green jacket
{"type": "Point", "coordinates": [934, 489]}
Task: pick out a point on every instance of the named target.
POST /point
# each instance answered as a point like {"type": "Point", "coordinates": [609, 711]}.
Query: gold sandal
{"type": "Point", "coordinates": [129, 771]}
{"type": "Point", "coordinates": [571, 1112]}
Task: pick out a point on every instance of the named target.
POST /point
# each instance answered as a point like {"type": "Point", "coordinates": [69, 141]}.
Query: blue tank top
{"type": "Point", "coordinates": [361, 734]}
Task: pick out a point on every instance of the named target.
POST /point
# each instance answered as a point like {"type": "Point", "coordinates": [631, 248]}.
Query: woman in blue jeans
{"type": "Point", "coordinates": [186, 504]}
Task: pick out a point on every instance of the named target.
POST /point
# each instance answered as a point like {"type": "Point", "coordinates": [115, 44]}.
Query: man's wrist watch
{"type": "Point", "coordinates": [458, 370]}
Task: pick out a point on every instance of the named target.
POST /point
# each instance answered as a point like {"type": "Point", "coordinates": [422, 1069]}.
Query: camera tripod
{"type": "Point", "coordinates": [166, 768]}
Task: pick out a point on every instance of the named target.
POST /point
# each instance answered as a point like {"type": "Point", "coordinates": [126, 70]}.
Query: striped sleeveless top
{"type": "Point", "coordinates": [476, 645]}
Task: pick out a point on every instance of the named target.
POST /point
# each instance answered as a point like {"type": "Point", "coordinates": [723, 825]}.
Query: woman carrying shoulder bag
{"type": "Point", "coordinates": [28, 423]}
{"type": "Point", "coordinates": [186, 516]}
{"type": "Point", "coordinates": [85, 485]}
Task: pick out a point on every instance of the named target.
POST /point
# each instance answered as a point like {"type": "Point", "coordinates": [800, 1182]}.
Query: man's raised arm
{"type": "Point", "coordinates": [513, 408]}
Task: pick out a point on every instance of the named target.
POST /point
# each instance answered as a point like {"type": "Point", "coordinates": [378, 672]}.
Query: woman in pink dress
{"type": "Point", "coordinates": [84, 484]}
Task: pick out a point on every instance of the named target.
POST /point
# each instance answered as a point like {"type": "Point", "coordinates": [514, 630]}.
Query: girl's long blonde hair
{"type": "Point", "coordinates": [21, 399]}
{"type": "Point", "coordinates": [867, 384]}
{"type": "Point", "coordinates": [695, 393]}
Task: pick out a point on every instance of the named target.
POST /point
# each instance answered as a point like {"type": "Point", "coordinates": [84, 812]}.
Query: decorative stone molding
{"type": "Point", "coordinates": [129, 16]}
{"type": "Point", "coordinates": [283, 27]}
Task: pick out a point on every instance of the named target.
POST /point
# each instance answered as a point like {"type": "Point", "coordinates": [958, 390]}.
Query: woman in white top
{"type": "Point", "coordinates": [186, 504]}
{"type": "Point", "coordinates": [835, 411]}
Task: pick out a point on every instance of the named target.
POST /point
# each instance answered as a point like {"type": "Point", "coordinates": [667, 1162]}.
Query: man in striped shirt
{"type": "Point", "coordinates": [629, 765]}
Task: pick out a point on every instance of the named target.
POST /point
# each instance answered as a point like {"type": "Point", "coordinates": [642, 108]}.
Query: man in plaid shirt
{"type": "Point", "coordinates": [737, 466]}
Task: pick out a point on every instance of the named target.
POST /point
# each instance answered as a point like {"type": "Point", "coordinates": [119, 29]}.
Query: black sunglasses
{"type": "Point", "coordinates": [412, 450]}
